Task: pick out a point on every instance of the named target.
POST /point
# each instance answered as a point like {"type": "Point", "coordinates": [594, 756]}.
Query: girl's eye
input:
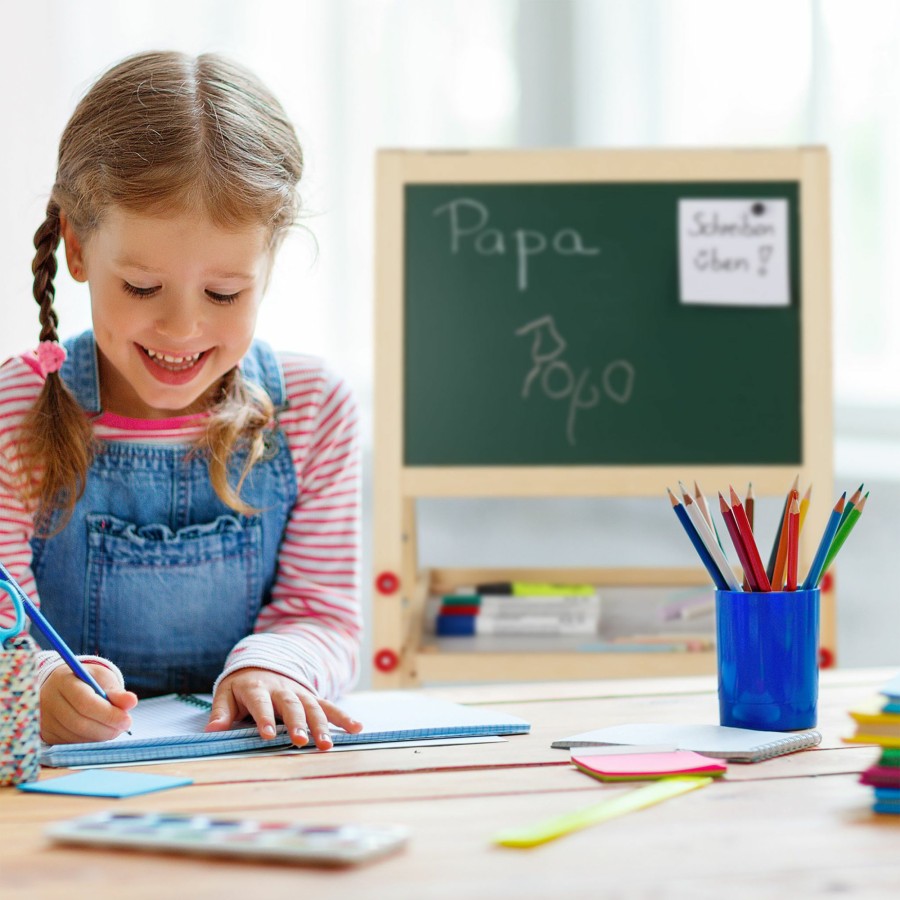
{"type": "Point", "coordinates": [222, 298]}
{"type": "Point", "coordinates": [138, 292]}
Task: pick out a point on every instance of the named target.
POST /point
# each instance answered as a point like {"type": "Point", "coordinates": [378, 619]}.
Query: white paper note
{"type": "Point", "coordinates": [734, 252]}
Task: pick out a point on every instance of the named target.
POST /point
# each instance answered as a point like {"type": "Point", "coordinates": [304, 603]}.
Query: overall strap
{"type": "Point", "coordinates": [80, 373]}
{"type": "Point", "coordinates": [261, 366]}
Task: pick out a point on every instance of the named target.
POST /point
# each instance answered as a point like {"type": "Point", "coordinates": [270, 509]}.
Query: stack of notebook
{"type": "Point", "coordinates": [879, 723]}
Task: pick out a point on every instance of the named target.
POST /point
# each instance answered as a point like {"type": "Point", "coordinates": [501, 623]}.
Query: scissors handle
{"type": "Point", "coordinates": [18, 624]}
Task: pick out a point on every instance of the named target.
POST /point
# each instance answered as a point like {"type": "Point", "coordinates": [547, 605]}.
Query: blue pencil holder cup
{"type": "Point", "coordinates": [767, 648]}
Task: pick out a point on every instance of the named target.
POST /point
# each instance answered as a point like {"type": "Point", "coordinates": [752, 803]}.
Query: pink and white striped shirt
{"type": "Point", "coordinates": [311, 629]}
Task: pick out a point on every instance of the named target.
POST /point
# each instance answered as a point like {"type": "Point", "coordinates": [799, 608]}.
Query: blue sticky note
{"type": "Point", "coordinates": [105, 783]}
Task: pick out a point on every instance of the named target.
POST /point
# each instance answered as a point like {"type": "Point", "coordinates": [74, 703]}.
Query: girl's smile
{"type": "Point", "coordinates": [174, 302]}
{"type": "Point", "coordinates": [172, 368]}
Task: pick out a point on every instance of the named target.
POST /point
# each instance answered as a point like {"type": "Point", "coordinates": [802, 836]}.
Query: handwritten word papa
{"type": "Point", "coordinates": [468, 220]}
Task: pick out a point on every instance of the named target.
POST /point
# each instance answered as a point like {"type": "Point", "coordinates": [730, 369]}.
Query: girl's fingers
{"type": "Point", "coordinates": [258, 703]}
{"type": "Point", "coordinates": [318, 723]}
{"type": "Point", "coordinates": [339, 717]}
{"type": "Point", "coordinates": [293, 713]}
{"type": "Point", "coordinates": [224, 710]}
{"type": "Point", "coordinates": [80, 716]}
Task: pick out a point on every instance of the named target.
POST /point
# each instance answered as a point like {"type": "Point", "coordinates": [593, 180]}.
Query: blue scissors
{"type": "Point", "coordinates": [21, 606]}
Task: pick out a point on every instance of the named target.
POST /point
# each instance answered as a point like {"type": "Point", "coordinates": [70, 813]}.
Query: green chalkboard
{"type": "Point", "coordinates": [543, 325]}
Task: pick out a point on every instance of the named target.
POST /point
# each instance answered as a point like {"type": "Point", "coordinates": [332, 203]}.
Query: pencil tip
{"type": "Point", "coordinates": [734, 497]}
{"type": "Point", "coordinates": [672, 497]}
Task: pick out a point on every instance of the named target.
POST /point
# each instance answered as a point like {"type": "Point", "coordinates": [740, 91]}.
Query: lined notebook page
{"type": "Point", "coordinates": [172, 727]}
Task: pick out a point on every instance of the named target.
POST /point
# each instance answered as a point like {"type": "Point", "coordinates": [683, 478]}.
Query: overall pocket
{"type": "Point", "coordinates": [167, 606]}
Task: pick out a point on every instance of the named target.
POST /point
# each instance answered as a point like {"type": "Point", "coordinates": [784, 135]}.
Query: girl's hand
{"type": "Point", "coordinates": [72, 713]}
{"type": "Point", "coordinates": [264, 695]}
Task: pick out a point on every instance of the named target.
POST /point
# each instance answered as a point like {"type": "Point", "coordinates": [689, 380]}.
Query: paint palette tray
{"type": "Point", "coordinates": [237, 838]}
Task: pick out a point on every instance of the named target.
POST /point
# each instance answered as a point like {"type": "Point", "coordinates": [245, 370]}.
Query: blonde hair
{"type": "Point", "coordinates": [161, 132]}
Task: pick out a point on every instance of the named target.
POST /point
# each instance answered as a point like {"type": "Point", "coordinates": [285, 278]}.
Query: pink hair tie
{"type": "Point", "coordinates": [51, 356]}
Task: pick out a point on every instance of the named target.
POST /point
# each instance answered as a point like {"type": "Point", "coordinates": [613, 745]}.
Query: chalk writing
{"type": "Point", "coordinates": [557, 379]}
{"type": "Point", "coordinates": [468, 221]}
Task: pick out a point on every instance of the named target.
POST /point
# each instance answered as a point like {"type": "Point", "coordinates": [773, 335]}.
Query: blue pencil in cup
{"type": "Point", "coordinates": [21, 602]}
{"type": "Point", "coordinates": [705, 557]}
{"type": "Point", "coordinates": [831, 527]}
{"type": "Point", "coordinates": [710, 541]}
{"type": "Point", "coordinates": [767, 651]}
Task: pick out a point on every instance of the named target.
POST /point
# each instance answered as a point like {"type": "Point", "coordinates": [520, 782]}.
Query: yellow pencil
{"type": "Point", "coordinates": [804, 506]}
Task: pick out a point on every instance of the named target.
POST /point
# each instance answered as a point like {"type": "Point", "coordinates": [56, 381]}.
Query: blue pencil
{"type": "Point", "coordinates": [699, 546]}
{"type": "Point", "coordinates": [49, 632]}
{"type": "Point", "coordinates": [831, 527]}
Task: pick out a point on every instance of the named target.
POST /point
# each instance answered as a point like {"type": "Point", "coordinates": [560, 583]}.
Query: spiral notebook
{"type": "Point", "coordinates": [171, 727]}
{"type": "Point", "coordinates": [718, 741]}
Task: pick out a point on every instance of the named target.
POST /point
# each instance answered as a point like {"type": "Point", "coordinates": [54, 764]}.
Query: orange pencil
{"type": "Point", "coordinates": [746, 532]}
{"type": "Point", "coordinates": [783, 549]}
{"type": "Point", "coordinates": [770, 567]}
{"type": "Point", "coordinates": [793, 544]}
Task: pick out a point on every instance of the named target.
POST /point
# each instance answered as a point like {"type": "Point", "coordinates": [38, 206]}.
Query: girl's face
{"type": "Point", "coordinates": [174, 303]}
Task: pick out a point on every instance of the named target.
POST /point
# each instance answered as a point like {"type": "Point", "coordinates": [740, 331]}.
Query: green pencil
{"type": "Point", "coordinates": [843, 533]}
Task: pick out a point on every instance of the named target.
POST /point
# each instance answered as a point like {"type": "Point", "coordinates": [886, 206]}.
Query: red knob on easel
{"type": "Point", "coordinates": [386, 660]}
{"type": "Point", "coordinates": [387, 583]}
{"type": "Point", "coordinates": [826, 658]}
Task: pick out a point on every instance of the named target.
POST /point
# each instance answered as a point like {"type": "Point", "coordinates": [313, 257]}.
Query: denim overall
{"type": "Point", "coordinates": [153, 571]}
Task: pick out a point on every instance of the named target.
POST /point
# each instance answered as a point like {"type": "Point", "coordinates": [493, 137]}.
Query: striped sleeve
{"type": "Point", "coordinates": [311, 629]}
{"type": "Point", "coordinates": [19, 388]}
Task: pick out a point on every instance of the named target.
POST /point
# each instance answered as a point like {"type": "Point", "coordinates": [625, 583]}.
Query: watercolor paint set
{"type": "Point", "coordinates": [287, 842]}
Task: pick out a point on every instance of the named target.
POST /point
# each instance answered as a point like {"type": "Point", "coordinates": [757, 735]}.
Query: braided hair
{"type": "Point", "coordinates": [160, 132]}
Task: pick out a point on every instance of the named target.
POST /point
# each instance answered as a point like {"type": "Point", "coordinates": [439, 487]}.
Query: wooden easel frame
{"type": "Point", "coordinates": [401, 588]}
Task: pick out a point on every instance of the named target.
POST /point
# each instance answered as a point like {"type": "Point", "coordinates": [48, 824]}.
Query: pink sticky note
{"type": "Point", "coordinates": [633, 766]}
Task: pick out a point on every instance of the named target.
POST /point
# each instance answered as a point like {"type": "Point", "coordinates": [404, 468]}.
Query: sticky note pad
{"type": "Point", "coordinates": [641, 766]}
{"type": "Point", "coordinates": [105, 783]}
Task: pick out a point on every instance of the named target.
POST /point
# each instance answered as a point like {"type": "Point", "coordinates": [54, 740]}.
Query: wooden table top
{"type": "Point", "coordinates": [799, 825]}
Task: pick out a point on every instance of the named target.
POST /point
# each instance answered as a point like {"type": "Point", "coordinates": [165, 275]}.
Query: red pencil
{"type": "Point", "coordinates": [756, 566]}
{"type": "Point", "coordinates": [793, 531]}
{"type": "Point", "coordinates": [738, 542]}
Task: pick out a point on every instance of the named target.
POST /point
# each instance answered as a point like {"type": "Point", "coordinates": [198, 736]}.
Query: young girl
{"type": "Point", "coordinates": [182, 502]}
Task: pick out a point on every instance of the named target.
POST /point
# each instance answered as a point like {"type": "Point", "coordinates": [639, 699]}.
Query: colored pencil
{"type": "Point", "coordinates": [782, 558]}
{"type": "Point", "coordinates": [704, 508]}
{"type": "Point", "coordinates": [851, 505]}
{"type": "Point", "coordinates": [804, 506]}
{"type": "Point", "coordinates": [737, 540]}
{"type": "Point", "coordinates": [706, 535]}
{"type": "Point", "coordinates": [750, 504]}
{"type": "Point", "coordinates": [843, 533]}
{"type": "Point", "coordinates": [831, 527]}
{"type": "Point", "coordinates": [740, 518]}
{"type": "Point", "coordinates": [699, 546]}
{"type": "Point", "coordinates": [770, 566]}
{"type": "Point", "coordinates": [793, 544]}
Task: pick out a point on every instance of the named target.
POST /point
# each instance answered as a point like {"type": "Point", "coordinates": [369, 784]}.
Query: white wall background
{"type": "Point", "coordinates": [356, 75]}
